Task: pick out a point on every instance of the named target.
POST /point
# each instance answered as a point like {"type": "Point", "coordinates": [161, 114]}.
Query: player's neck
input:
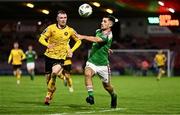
{"type": "Point", "coordinates": [106, 31]}
{"type": "Point", "coordinates": [61, 26]}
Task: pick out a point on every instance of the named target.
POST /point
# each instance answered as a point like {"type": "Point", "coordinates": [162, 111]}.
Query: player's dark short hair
{"type": "Point", "coordinates": [61, 12]}
{"type": "Point", "coordinates": [16, 42]}
{"type": "Point", "coordinates": [112, 18]}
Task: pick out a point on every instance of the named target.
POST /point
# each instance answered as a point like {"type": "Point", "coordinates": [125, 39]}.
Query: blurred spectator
{"type": "Point", "coordinates": [144, 67]}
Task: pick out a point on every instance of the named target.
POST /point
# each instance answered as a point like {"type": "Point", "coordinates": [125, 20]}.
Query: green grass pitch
{"type": "Point", "coordinates": [136, 95]}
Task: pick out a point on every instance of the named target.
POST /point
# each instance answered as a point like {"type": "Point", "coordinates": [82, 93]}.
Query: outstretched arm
{"type": "Point", "coordinates": [89, 38]}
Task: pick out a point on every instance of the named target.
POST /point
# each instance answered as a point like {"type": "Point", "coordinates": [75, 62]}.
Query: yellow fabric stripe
{"type": "Point", "coordinates": [67, 62]}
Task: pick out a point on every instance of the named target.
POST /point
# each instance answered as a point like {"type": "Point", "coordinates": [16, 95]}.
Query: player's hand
{"type": "Point", "coordinates": [110, 51]}
{"type": "Point", "coordinates": [24, 59]}
{"type": "Point", "coordinates": [50, 46]}
{"type": "Point", "coordinates": [70, 53]}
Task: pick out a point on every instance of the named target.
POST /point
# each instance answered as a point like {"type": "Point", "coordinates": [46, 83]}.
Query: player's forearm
{"type": "Point", "coordinates": [9, 59]}
{"type": "Point", "coordinates": [76, 45]}
{"type": "Point", "coordinates": [43, 41]}
{"type": "Point", "coordinates": [92, 39]}
{"type": "Point", "coordinates": [23, 56]}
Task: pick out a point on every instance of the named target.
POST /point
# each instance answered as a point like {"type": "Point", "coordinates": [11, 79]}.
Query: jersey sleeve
{"type": "Point", "coordinates": [76, 39]}
{"type": "Point", "coordinates": [45, 35]}
{"type": "Point", "coordinates": [26, 52]}
{"type": "Point", "coordinates": [35, 54]}
{"type": "Point", "coordinates": [98, 30]}
{"type": "Point", "coordinates": [23, 55]}
{"type": "Point", "coordinates": [47, 32]}
{"type": "Point", "coordinates": [10, 57]}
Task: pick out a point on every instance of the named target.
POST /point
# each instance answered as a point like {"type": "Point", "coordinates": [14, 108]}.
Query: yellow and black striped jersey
{"type": "Point", "coordinates": [59, 38]}
{"type": "Point", "coordinates": [160, 59]}
{"type": "Point", "coordinates": [16, 56]}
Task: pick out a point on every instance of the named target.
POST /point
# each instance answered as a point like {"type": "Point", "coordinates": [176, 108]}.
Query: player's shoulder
{"type": "Point", "coordinates": [49, 28]}
{"type": "Point", "coordinates": [161, 54]}
{"type": "Point", "coordinates": [110, 35]}
{"type": "Point", "coordinates": [12, 50]}
{"type": "Point", "coordinates": [16, 50]}
{"type": "Point", "coordinates": [20, 50]}
{"type": "Point", "coordinates": [34, 52]}
{"type": "Point", "coordinates": [69, 28]}
{"type": "Point", "coordinates": [52, 26]}
{"type": "Point", "coordinates": [98, 30]}
{"type": "Point", "coordinates": [164, 55]}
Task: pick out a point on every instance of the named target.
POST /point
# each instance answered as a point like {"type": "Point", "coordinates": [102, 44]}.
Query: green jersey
{"type": "Point", "coordinates": [30, 56]}
{"type": "Point", "coordinates": [99, 51]}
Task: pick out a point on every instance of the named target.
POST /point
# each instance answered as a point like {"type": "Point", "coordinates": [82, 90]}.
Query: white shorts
{"type": "Point", "coordinates": [103, 71]}
{"type": "Point", "coordinates": [30, 65]}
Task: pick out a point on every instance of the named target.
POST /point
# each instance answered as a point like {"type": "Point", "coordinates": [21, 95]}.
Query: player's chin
{"type": "Point", "coordinates": [63, 24]}
{"type": "Point", "coordinates": [102, 27]}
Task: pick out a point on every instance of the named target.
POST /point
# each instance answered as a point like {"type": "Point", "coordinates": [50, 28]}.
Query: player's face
{"type": "Point", "coordinates": [62, 19]}
{"type": "Point", "coordinates": [160, 51]}
{"type": "Point", "coordinates": [106, 23]}
{"type": "Point", "coordinates": [16, 45]}
{"type": "Point", "coordinates": [30, 47]}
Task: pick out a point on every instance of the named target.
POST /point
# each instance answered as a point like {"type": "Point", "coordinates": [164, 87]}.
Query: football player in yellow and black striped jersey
{"type": "Point", "coordinates": [56, 38]}
{"type": "Point", "coordinates": [15, 58]}
{"type": "Point", "coordinates": [160, 60]}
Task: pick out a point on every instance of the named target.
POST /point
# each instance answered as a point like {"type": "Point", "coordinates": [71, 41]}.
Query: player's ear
{"type": "Point", "coordinates": [111, 24]}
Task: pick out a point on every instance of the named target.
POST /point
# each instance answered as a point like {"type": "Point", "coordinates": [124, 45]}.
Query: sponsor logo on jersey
{"type": "Point", "coordinates": [65, 33]}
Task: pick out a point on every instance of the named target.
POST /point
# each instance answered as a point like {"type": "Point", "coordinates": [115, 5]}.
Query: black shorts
{"type": "Point", "coordinates": [67, 68]}
{"type": "Point", "coordinates": [49, 63]}
{"type": "Point", "coordinates": [15, 67]}
{"type": "Point", "coordinates": [161, 67]}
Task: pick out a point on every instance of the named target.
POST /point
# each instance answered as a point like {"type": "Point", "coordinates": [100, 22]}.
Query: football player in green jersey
{"type": "Point", "coordinates": [31, 56]}
{"type": "Point", "coordinates": [98, 62]}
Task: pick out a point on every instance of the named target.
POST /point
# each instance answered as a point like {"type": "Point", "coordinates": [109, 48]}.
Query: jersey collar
{"type": "Point", "coordinates": [60, 27]}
